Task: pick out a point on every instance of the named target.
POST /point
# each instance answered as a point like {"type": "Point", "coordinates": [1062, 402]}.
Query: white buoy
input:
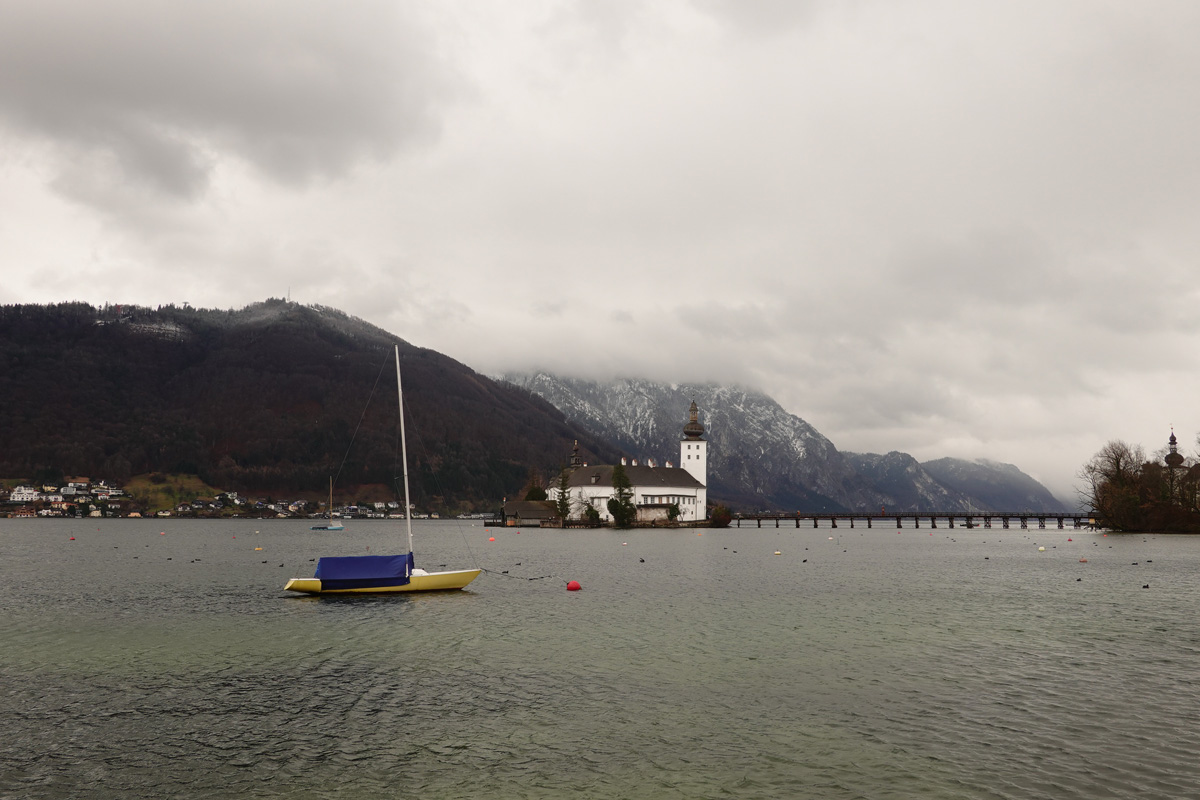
{"type": "Point", "coordinates": [1041, 549]}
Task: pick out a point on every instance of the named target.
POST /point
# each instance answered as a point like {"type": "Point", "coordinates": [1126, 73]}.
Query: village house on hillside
{"type": "Point", "coordinates": [77, 497]}
{"type": "Point", "coordinates": [655, 488]}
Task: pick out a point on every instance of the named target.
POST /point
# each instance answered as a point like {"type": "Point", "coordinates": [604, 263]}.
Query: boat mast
{"type": "Point", "coordinates": [403, 451]}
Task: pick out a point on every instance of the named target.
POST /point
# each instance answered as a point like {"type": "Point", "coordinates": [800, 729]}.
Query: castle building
{"type": "Point", "coordinates": [655, 488]}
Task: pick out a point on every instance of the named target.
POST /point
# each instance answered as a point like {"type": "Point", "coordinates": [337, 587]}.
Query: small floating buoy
{"type": "Point", "coordinates": [491, 538]}
{"type": "Point", "coordinates": [624, 544]}
{"type": "Point", "coordinates": [778, 553]}
{"type": "Point", "coordinates": [1070, 539]}
{"type": "Point", "coordinates": [1083, 561]}
{"type": "Point", "coordinates": [831, 538]}
{"type": "Point", "coordinates": [258, 548]}
{"type": "Point", "coordinates": [573, 586]}
{"type": "Point", "coordinates": [1041, 549]}
{"type": "Point", "coordinates": [162, 533]}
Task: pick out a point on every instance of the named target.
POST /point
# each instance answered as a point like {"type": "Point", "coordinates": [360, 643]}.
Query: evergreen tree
{"type": "Point", "coordinates": [620, 506]}
{"type": "Point", "coordinates": [563, 502]}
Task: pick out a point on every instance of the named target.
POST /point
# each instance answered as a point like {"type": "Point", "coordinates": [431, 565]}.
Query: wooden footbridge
{"type": "Point", "coordinates": [950, 519]}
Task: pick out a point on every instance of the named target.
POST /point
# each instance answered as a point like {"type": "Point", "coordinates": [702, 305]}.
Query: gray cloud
{"type": "Point", "coordinates": [159, 92]}
{"type": "Point", "coordinates": [762, 17]}
{"type": "Point", "coordinates": [950, 228]}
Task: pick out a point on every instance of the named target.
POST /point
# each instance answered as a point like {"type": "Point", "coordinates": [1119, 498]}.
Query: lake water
{"type": "Point", "coordinates": [156, 659]}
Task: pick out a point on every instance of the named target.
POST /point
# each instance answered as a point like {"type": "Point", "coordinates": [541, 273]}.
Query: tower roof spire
{"type": "Point", "coordinates": [693, 429]}
{"type": "Point", "coordinates": [1173, 458]}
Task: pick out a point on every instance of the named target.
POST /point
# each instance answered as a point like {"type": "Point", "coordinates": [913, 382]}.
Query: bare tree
{"type": "Point", "coordinates": [1112, 483]}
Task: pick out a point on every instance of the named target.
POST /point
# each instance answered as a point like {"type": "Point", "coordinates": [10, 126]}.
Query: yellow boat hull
{"type": "Point", "coordinates": [429, 582]}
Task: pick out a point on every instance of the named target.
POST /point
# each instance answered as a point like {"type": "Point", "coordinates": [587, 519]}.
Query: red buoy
{"type": "Point", "coordinates": [491, 538]}
{"type": "Point", "coordinates": [573, 586]}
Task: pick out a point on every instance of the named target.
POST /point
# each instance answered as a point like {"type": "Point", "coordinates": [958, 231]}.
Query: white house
{"type": "Point", "coordinates": [24, 494]}
{"type": "Point", "coordinates": [655, 488]}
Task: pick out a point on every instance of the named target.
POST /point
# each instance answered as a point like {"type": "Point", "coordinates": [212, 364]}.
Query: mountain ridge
{"type": "Point", "coordinates": [765, 458]}
{"type": "Point", "coordinates": [275, 397]}
{"type": "Point", "coordinates": [269, 397]}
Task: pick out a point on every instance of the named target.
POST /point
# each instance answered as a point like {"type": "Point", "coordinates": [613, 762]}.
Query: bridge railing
{"type": "Point", "coordinates": [973, 519]}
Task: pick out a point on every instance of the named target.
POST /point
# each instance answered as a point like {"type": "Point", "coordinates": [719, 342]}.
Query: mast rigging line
{"type": "Point", "coordinates": [361, 417]}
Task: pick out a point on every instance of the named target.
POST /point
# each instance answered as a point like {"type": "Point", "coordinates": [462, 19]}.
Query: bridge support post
{"type": "Point", "coordinates": [898, 524]}
{"type": "Point", "coordinates": [759, 521]}
{"type": "Point", "coordinates": [1024, 523]}
{"type": "Point", "coordinates": [1006, 523]}
{"type": "Point", "coordinates": [951, 522]}
{"type": "Point", "coordinates": [1060, 523]}
{"type": "Point", "coordinates": [833, 522]}
{"type": "Point", "coordinates": [814, 522]}
{"type": "Point", "coordinates": [852, 522]}
{"type": "Point", "coordinates": [776, 522]}
{"type": "Point", "coordinates": [933, 522]}
{"type": "Point", "coordinates": [868, 522]}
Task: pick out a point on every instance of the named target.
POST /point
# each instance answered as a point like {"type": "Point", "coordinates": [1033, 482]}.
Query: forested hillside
{"type": "Point", "coordinates": [263, 399]}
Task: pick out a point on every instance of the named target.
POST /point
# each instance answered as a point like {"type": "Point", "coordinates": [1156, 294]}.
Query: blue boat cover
{"type": "Point", "coordinates": [364, 572]}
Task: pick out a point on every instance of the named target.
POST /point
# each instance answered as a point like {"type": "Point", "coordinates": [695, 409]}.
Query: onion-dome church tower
{"type": "Point", "coordinates": [1173, 458]}
{"type": "Point", "coordinates": [693, 450]}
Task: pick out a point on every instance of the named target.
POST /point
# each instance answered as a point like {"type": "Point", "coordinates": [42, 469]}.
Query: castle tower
{"type": "Point", "coordinates": [693, 450]}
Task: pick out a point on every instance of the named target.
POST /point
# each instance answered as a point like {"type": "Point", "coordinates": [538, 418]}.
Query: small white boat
{"type": "Point", "coordinates": [331, 525]}
{"type": "Point", "coordinates": [381, 574]}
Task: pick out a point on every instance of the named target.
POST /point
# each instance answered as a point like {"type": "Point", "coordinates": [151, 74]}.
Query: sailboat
{"type": "Point", "coordinates": [381, 574]}
{"type": "Point", "coordinates": [331, 526]}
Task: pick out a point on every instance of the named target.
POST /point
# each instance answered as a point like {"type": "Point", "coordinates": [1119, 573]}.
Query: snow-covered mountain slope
{"type": "Point", "coordinates": [763, 458]}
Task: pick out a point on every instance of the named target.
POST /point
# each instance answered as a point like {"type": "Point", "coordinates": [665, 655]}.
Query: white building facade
{"type": "Point", "coordinates": [654, 488]}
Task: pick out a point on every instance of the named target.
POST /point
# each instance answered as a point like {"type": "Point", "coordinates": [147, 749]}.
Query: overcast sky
{"type": "Point", "coordinates": [948, 228]}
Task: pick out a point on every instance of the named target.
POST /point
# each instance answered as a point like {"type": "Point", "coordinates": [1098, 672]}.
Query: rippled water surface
{"type": "Point", "coordinates": [144, 659]}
